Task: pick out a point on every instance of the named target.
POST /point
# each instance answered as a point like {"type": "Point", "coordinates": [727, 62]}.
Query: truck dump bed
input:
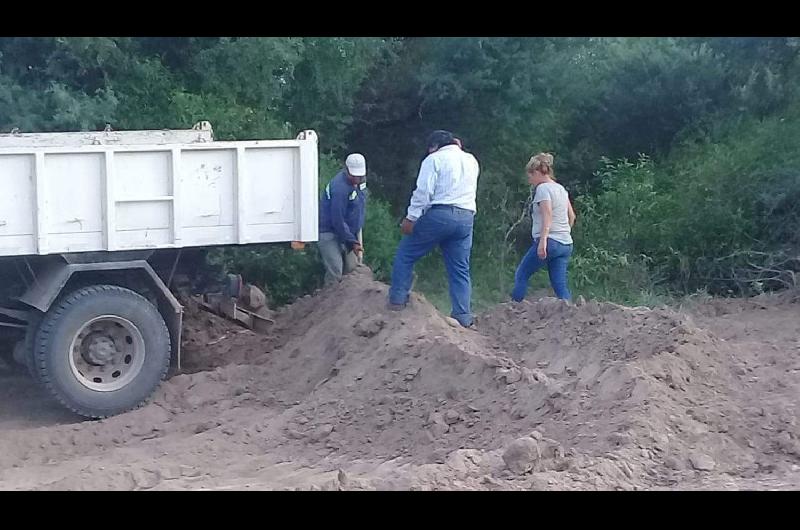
{"type": "Point", "coordinates": [135, 190]}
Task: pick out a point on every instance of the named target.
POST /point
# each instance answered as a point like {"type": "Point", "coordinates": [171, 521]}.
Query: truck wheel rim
{"type": "Point", "coordinates": [107, 353]}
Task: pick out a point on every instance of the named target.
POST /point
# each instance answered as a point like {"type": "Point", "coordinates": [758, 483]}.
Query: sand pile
{"type": "Point", "coordinates": [543, 394]}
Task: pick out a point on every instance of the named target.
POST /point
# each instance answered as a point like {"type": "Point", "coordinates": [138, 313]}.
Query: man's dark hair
{"type": "Point", "coordinates": [440, 138]}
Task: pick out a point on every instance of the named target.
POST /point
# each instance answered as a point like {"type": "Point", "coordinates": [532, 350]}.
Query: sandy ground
{"type": "Point", "coordinates": [345, 395]}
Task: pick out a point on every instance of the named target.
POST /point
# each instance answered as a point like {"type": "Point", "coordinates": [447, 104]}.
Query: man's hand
{"type": "Point", "coordinates": [542, 250]}
{"type": "Point", "coordinates": [358, 249]}
{"type": "Point", "coordinates": [407, 226]}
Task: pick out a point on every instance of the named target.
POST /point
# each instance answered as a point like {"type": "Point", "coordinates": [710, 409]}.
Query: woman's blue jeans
{"type": "Point", "coordinates": [557, 260]}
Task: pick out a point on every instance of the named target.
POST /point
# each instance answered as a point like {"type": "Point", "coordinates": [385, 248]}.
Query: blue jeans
{"type": "Point", "coordinates": [557, 260]}
{"type": "Point", "coordinates": [451, 229]}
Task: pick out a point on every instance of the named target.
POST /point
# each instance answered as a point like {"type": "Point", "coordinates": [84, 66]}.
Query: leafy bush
{"type": "Point", "coordinates": [712, 208]}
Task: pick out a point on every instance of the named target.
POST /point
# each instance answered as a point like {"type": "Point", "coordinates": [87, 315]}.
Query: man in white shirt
{"type": "Point", "coordinates": [441, 213]}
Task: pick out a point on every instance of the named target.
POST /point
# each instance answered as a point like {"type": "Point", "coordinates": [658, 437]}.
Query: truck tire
{"type": "Point", "coordinates": [102, 350]}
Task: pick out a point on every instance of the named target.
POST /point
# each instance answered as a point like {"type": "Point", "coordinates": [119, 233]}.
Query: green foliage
{"type": "Point", "coordinates": [324, 81]}
{"type": "Point", "coordinates": [646, 227]}
{"type": "Point", "coordinates": [711, 207]}
{"type": "Point", "coordinates": [719, 215]}
{"type": "Point", "coordinates": [381, 236]}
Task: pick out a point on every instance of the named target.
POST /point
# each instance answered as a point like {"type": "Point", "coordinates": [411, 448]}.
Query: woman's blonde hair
{"type": "Point", "coordinates": [543, 163]}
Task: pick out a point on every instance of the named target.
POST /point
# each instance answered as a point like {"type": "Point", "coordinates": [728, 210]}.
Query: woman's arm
{"type": "Point", "coordinates": [570, 214]}
{"type": "Point", "coordinates": [546, 209]}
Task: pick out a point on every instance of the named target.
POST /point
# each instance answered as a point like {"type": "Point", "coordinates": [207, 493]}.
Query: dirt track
{"type": "Point", "coordinates": [345, 395]}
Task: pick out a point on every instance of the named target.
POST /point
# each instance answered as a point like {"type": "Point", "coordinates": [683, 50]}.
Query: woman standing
{"type": "Point", "coordinates": [553, 218]}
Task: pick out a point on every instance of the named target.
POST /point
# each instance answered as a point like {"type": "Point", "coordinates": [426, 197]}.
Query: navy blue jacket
{"type": "Point", "coordinates": [342, 208]}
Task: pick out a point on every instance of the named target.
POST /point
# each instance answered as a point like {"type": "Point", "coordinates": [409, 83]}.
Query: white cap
{"type": "Point", "coordinates": [356, 165]}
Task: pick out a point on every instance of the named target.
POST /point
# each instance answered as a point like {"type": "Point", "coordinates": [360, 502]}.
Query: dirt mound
{"type": "Point", "coordinates": [717, 307]}
{"type": "Point", "coordinates": [209, 341]}
{"type": "Point", "coordinates": [345, 394]}
{"type": "Point", "coordinates": [635, 379]}
{"type": "Point", "coordinates": [596, 379]}
{"type": "Point", "coordinates": [380, 384]}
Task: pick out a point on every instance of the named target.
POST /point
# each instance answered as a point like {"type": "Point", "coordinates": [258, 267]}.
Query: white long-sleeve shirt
{"type": "Point", "coordinates": [448, 176]}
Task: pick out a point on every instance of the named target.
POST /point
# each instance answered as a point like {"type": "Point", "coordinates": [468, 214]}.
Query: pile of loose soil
{"type": "Point", "coordinates": [344, 394]}
{"type": "Point", "coordinates": [210, 341]}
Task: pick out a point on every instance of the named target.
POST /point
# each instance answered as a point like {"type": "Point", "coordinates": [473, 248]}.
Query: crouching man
{"type": "Point", "coordinates": [342, 210]}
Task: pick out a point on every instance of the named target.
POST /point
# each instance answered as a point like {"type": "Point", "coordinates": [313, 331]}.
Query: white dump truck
{"type": "Point", "coordinates": [92, 227]}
